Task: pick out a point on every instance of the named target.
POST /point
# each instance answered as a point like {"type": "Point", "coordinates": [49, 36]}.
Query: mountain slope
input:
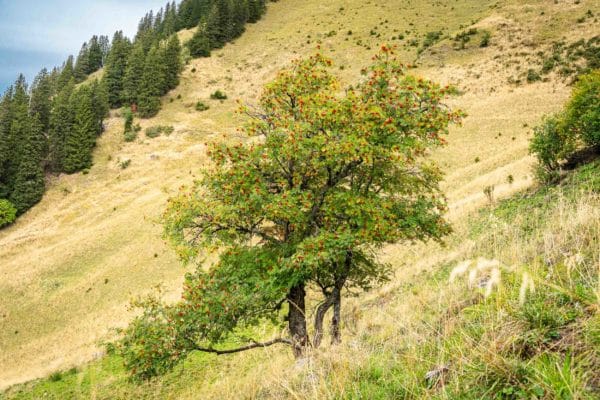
{"type": "Point", "coordinates": [70, 266]}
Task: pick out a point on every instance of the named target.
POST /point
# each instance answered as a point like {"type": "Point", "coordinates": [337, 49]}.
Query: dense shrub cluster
{"type": "Point", "coordinates": [560, 135]}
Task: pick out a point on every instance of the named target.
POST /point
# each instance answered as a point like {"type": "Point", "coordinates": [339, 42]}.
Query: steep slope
{"type": "Point", "coordinates": [70, 266]}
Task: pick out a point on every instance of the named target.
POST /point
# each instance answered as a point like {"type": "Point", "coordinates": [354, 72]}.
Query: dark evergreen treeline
{"type": "Point", "coordinates": [52, 126]}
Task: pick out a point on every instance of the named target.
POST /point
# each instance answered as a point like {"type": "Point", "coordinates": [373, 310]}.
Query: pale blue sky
{"type": "Point", "coordinates": [37, 33]}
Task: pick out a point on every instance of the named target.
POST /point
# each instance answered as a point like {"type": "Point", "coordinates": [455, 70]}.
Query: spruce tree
{"type": "Point", "coordinates": [172, 61]}
{"type": "Point", "coordinates": [104, 43]}
{"type": "Point", "coordinates": [61, 124]}
{"type": "Point", "coordinates": [239, 17]}
{"type": "Point", "coordinates": [66, 73]}
{"type": "Point", "coordinates": [133, 75]}
{"type": "Point", "coordinates": [18, 130]}
{"type": "Point", "coordinates": [99, 104]}
{"type": "Point", "coordinates": [116, 64]}
{"type": "Point", "coordinates": [29, 179]}
{"type": "Point", "coordinates": [5, 124]}
{"type": "Point", "coordinates": [170, 20]}
{"type": "Point", "coordinates": [199, 45]}
{"type": "Point", "coordinates": [256, 9]}
{"type": "Point", "coordinates": [41, 94]}
{"type": "Point", "coordinates": [95, 54]}
{"type": "Point", "coordinates": [213, 29]}
{"type": "Point", "coordinates": [151, 84]}
{"type": "Point", "coordinates": [82, 64]}
{"type": "Point", "coordinates": [80, 139]}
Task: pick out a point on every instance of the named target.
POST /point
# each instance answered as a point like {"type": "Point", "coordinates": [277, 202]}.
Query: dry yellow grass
{"type": "Point", "coordinates": [69, 266]}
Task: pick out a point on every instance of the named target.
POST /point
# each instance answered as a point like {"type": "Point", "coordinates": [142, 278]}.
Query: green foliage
{"type": "Point", "coordinates": [533, 76]}
{"type": "Point", "coordinates": [155, 131]}
{"type": "Point", "coordinates": [583, 110]}
{"type": "Point", "coordinates": [81, 138]}
{"type": "Point", "coordinates": [152, 84]}
{"type": "Point", "coordinates": [218, 95]}
{"type": "Point", "coordinates": [485, 39]}
{"type": "Point", "coordinates": [200, 106]}
{"type": "Point", "coordinates": [551, 144]}
{"type": "Point", "coordinates": [288, 219]}
{"type": "Point", "coordinates": [114, 71]}
{"type": "Point", "coordinates": [8, 213]}
{"type": "Point", "coordinates": [431, 38]}
{"type": "Point", "coordinates": [557, 138]}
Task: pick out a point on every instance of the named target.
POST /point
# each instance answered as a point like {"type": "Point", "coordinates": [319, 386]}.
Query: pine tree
{"type": "Point", "coordinates": [104, 44]}
{"type": "Point", "coordinates": [17, 131]}
{"type": "Point", "coordinates": [239, 17]}
{"type": "Point", "coordinates": [199, 45]}
{"type": "Point", "coordinates": [41, 94]}
{"type": "Point", "coordinates": [82, 64]}
{"type": "Point", "coordinates": [29, 179]}
{"type": "Point", "coordinates": [95, 54]}
{"type": "Point", "coordinates": [133, 74]}
{"type": "Point", "coordinates": [40, 105]}
{"type": "Point", "coordinates": [170, 21]}
{"type": "Point", "coordinates": [5, 124]}
{"type": "Point", "coordinates": [99, 104]}
{"type": "Point", "coordinates": [66, 73]}
{"type": "Point", "coordinates": [256, 9]}
{"type": "Point", "coordinates": [172, 61]}
{"type": "Point", "coordinates": [61, 124]}
{"type": "Point", "coordinates": [116, 64]}
{"type": "Point", "coordinates": [80, 139]}
{"type": "Point", "coordinates": [151, 84]}
{"type": "Point", "coordinates": [214, 28]}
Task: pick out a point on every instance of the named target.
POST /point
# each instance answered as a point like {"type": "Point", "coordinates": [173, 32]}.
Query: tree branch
{"type": "Point", "coordinates": [250, 346]}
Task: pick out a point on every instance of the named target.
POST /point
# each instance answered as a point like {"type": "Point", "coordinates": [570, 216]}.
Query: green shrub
{"type": "Point", "coordinates": [8, 213]}
{"type": "Point", "coordinates": [551, 144]}
{"type": "Point", "coordinates": [125, 163]}
{"type": "Point", "coordinates": [533, 76]}
{"type": "Point", "coordinates": [155, 131]}
{"type": "Point", "coordinates": [218, 95]}
{"type": "Point", "coordinates": [130, 136]}
{"type": "Point", "coordinates": [485, 39]}
{"type": "Point", "coordinates": [583, 109]}
{"type": "Point", "coordinates": [128, 116]}
{"type": "Point", "coordinates": [200, 106]}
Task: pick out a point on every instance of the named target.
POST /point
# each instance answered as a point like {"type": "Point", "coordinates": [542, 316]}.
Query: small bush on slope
{"type": "Point", "coordinates": [559, 136]}
{"type": "Point", "coordinates": [8, 213]}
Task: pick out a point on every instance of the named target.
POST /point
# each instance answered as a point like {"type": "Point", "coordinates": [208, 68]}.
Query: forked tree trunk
{"type": "Point", "coordinates": [319, 317]}
{"type": "Point", "coordinates": [297, 319]}
{"type": "Point", "coordinates": [336, 333]}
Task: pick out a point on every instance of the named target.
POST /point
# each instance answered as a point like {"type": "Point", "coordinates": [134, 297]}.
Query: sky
{"type": "Point", "coordinates": [35, 33]}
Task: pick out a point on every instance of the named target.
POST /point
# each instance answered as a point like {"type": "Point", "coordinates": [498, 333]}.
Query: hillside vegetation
{"type": "Point", "coordinates": [72, 263]}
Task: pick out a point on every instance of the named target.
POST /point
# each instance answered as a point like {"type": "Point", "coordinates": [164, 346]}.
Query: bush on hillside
{"type": "Point", "coordinates": [583, 110]}
{"type": "Point", "coordinates": [551, 144]}
{"type": "Point", "coordinates": [8, 213]}
{"type": "Point", "coordinates": [218, 95]}
{"type": "Point", "coordinates": [155, 131]}
{"type": "Point", "coordinates": [200, 106]}
{"type": "Point", "coordinates": [558, 137]}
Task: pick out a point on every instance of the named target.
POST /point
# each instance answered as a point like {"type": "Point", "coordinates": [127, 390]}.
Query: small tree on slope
{"type": "Point", "coordinates": [329, 180]}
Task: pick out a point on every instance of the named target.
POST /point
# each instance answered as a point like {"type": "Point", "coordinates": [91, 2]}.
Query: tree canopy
{"type": "Point", "coordinates": [327, 178]}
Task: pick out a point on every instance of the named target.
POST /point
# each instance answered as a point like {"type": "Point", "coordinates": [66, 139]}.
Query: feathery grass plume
{"type": "Point", "coordinates": [494, 280]}
{"type": "Point", "coordinates": [482, 265]}
{"type": "Point", "coordinates": [527, 285]}
{"type": "Point", "coordinates": [459, 270]}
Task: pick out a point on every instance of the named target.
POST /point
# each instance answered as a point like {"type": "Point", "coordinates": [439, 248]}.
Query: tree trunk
{"type": "Point", "coordinates": [336, 333]}
{"type": "Point", "coordinates": [319, 317]}
{"type": "Point", "coordinates": [297, 319]}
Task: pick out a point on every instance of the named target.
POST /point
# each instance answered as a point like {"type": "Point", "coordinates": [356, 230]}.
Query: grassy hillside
{"type": "Point", "coordinates": [522, 324]}
{"type": "Point", "coordinates": [70, 266]}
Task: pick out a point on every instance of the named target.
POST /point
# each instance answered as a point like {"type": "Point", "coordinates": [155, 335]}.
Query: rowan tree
{"type": "Point", "coordinates": [330, 177]}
